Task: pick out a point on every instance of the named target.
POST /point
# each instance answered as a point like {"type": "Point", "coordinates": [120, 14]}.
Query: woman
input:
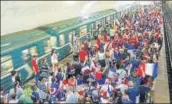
{"type": "Point", "coordinates": [54, 59]}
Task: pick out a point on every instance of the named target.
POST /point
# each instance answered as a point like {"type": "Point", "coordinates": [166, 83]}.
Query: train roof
{"type": "Point", "coordinates": [59, 26]}
{"type": "Point", "coordinates": [18, 39]}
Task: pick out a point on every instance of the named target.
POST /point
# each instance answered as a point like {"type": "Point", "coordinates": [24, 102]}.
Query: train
{"type": "Point", "coordinates": [18, 48]}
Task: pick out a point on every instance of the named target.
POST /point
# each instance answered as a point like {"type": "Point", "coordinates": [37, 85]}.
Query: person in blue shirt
{"type": "Point", "coordinates": [135, 79]}
{"type": "Point", "coordinates": [125, 98]}
{"type": "Point", "coordinates": [59, 75]}
{"type": "Point", "coordinates": [129, 46]}
{"type": "Point", "coordinates": [144, 89]}
{"type": "Point", "coordinates": [35, 95]}
{"type": "Point", "coordinates": [53, 90]}
{"type": "Point", "coordinates": [156, 21]}
{"type": "Point", "coordinates": [134, 63]}
{"type": "Point", "coordinates": [133, 92]}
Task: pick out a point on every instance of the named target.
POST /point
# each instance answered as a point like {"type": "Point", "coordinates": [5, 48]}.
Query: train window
{"type": "Point", "coordinates": [83, 30]}
{"type": "Point", "coordinates": [108, 19]}
{"type": "Point", "coordinates": [53, 40]}
{"type": "Point", "coordinates": [25, 55]}
{"type": "Point", "coordinates": [6, 65]}
{"type": "Point", "coordinates": [47, 46]}
{"type": "Point", "coordinates": [33, 51]}
{"type": "Point", "coordinates": [61, 38]}
{"type": "Point", "coordinates": [97, 23]}
{"type": "Point", "coordinates": [103, 22]}
{"type": "Point", "coordinates": [50, 43]}
{"type": "Point", "coordinates": [71, 34]}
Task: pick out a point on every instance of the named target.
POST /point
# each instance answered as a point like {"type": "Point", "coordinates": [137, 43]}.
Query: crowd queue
{"type": "Point", "coordinates": [108, 69]}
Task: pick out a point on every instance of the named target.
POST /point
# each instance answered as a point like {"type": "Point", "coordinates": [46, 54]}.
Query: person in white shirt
{"type": "Point", "coordinates": [72, 97]}
{"type": "Point", "coordinates": [122, 73]}
{"type": "Point", "coordinates": [101, 57]}
{"type": "Point", "coordinates": [54, 59]}
{"type": "Point", "coordinates": [122, 87]}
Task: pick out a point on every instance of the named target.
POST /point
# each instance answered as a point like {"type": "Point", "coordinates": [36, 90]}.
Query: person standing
{"type": "Point", "coordinates": [35, 68]}
{"type": "Point", "coordinates": [44, 71]}
{"type": "Point", "coordinates": [54, 60]}
{"type": "Point", "coordinates": [83, 56]}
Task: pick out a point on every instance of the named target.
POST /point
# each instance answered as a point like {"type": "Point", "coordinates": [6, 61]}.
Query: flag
{"type": "Point", "coordinates": [148, 69]}
{"type": "Point", "coordinates": [141, 70]}
{"type": "Point", "coordinates": [151, 69]}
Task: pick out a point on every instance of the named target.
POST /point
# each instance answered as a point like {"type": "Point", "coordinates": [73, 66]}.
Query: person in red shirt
{"type": "Point", "coordinates": [99, 75]}
{"type": "Point", "coordinates": [105, 38]}
{"type": "Point", "coordinates": [35, 68]}
{"type": "Point", "coordinates": [98, 42]}
{"type": "Point", "coordinates": [83, 55]}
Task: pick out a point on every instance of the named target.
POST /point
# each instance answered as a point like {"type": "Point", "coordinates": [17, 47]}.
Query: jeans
{"type": "Point", "coordinates": [36, 78]}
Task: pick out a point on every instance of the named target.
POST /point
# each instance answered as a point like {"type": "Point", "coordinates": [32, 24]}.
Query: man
{"type": "Point", "coordinates": [35, 68]}
{"type": "Point", "coordinates": [133, 92]}
{"type": "Point", "coordinates": [83, 56]}
{"type": "Point", "coordinates": [15, 77]}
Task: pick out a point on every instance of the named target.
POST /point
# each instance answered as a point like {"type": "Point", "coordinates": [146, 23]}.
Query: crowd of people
{"type": "Point", "coordinates": [109, 69]}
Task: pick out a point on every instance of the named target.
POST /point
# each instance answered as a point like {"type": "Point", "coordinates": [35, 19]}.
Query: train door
{"type": "Point", "coordinates": [108, 19]}
{"type": "Point", "coordinates": [91, 30]}
{"type": "Point", "coordinates": [72, 36]}
{"type": "Point", "coordinates": [111, 19]}
{"type": "Point", "coordinates": [28, 53]}
{"type": "Point", "coordinates": [83, 32]}
{"type": "Point", "coordinates": [102, 22]}
{"type": "Point", "coordinates": [94, 30]}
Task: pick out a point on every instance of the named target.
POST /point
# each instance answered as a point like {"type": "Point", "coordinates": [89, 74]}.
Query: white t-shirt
{"type": "Point", "coordinates": [54, 59]}
{"type": "Point", "coordinates": [101, 55]}
{"type": "Point", "coordinates": [13, 79]}
{"type": "Point", "coordinates": [122, 73]}
{"type": "Point", "coordinates": [122, 87]}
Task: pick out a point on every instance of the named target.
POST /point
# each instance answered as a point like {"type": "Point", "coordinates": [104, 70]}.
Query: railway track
{"type": "Point", "coordinates": [168, 44]}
